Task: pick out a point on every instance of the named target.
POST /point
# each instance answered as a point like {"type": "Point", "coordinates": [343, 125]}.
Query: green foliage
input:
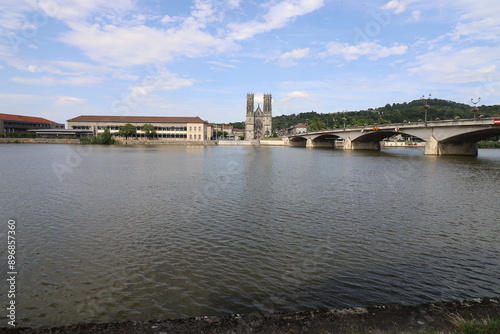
{"type": "Point", "coordinates": [395, 113]}
{"type": "Point", "coordinates": [219, 134]}
{"type": "Point", "coordinates": [20, 135]}
{"type": "Point", "coordinates": [478, 327]}
{"type": "Point", "coordinates": [127, 130]}
{"type": "Point", "coordinates": [316, 124]}
{"type": "Point", "coordinates": [103, 138]}
{"type": "Point", "coordinates": [488, 144]}
{"type": "Point", "coordinates": [149, 130]}
{"type": "Point", "coordinates": [238, 125]}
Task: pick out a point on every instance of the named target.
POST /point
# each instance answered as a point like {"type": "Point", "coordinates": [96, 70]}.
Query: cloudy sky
{"type": "Point", "coordinates": [64, 58]}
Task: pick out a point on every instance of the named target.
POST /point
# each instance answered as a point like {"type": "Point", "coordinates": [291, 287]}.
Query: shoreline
{"type": "Point", "coordinates": [254, 143]}
{"type": "Point", "coordinates": [437, 316]}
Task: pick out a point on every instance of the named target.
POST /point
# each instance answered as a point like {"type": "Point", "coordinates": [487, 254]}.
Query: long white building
{"type": "Point", "coordinates": [167, 128]}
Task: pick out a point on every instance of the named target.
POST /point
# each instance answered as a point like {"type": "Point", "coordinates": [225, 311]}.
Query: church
{"type": "Point", "coordinates": [259, 123]}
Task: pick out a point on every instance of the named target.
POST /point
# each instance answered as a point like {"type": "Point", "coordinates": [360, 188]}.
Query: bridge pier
{"type": "Point", "coordinates": [435, 147]}
{"type": "Point", "coordinates": [366, 145]}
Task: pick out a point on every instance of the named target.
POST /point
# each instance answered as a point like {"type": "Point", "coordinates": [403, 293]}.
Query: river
{"type": "Point", "coordinates": [114, 233]}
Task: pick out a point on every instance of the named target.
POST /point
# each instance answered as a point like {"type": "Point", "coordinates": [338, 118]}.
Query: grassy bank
{"type": "Point", "coordinates": [488, 144]}
{"type": "Point", "coordinates": [462, 326]}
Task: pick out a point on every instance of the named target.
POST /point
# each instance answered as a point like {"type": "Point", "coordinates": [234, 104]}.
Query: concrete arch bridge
{"type": "Point", "coordinates": [450, 137]}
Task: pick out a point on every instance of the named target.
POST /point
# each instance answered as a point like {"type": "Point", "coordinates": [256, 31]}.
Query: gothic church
{"type": "Point", "coordinates": [259, 123]}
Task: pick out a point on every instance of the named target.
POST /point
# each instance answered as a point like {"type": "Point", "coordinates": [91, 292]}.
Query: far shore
{"type": "Point", "coordinates": [266, 142]}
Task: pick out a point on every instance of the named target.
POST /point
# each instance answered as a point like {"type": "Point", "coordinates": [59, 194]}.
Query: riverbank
{"type": "Point", "coordinates": [141, 142]}
{"type": "Point", "coordinates": [438, 317]}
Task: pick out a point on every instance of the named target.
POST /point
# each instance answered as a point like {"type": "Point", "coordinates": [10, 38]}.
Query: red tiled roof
{"type": "Point", "coordinates": [20, 118]}
{"type": "Point", "coordinates": [137, 119]}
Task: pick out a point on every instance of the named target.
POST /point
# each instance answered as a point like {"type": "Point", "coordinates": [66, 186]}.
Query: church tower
{"type": "Point", "coordinates": [258, 123]}
{"type": "Point", "coordinates": [268, 116]}
{"type": "Point", "coordinates": [249, 122]}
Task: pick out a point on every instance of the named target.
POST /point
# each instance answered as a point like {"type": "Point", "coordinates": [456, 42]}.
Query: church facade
{"type": "Point", "coordinates": [259, 122]}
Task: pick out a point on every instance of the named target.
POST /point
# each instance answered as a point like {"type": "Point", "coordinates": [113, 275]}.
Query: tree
{"type": "Point", "coordinates": [149, 130]}
{"type": "Point", "coordinates": [104, 138]}
{"type": "Point", "coordinates": [127, 130]}
{"type": "Point", "coordinates": [316, 124]}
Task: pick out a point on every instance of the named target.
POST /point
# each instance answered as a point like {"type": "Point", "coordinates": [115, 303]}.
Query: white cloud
{"type": "Point", "coordinates": [484, 29]}
{"type": "Point", "coordinates": [372, 50]}
{"type": "Point", "coordinates": [161, 79]}
{"type": "Point", "coordinates": [277, 17]}
{"type": "Point", "coordinates": [415, 15]}
{"type": "Point", "coordinates": [398, 6]}
{"type": "Point", "coordinates": [455, 66]}
{"type": "Point", "coordinates": [79, 10]}
{"type": "Point", "coordinates": [295, 54]}
{"type": "Point", "coordinates": [68, 100]}
{"type": "Point", "coordinates": [221, 64]}
{"type": "Point", "coordinates": [233, 3]}
{"type": "Point", "coordinates": [51, 81]}
{"type": "Point", "coordinates": [298, 94]}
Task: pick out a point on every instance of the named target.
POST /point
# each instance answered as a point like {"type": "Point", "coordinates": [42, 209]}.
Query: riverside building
{"type": "Point", "coordinates": [19, 123]}
{"type": "Point", "coordinates": [167, 128]}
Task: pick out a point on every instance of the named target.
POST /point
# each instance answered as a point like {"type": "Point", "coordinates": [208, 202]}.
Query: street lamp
{"type": "Point", "coordinates": [426, 106]}
{"type": "Point", "coordinates": [475, 109]}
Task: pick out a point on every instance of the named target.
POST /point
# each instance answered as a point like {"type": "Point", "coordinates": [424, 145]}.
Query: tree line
{"type": "Point", "coordinates": [391, 113]}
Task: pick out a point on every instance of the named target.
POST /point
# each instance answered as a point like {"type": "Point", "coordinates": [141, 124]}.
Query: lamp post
{"type": "Point", "coordinates": [475, 109]}
{"type": "Point", "coordinates": [426, 106]}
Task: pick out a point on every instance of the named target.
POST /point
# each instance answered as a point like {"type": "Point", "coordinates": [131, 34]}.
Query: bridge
{"type": "Point", "coordinates": [450, 137]}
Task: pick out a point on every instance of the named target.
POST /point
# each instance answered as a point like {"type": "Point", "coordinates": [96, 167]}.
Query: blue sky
{"type": "Point", "coordinates": [64, 58]}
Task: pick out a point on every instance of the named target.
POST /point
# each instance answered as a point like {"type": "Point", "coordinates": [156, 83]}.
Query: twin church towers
{"type": "Point", "coordinates": [259, 122]}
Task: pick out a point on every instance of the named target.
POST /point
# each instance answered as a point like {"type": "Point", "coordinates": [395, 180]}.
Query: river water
{"type": "Point", "coordinates": [113, 233]}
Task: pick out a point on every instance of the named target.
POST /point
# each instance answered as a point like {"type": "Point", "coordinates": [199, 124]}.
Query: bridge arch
{"type": "Point", "coordinates": [460, 144]}
{"type": "Point", "coordinates": [297, 141]}
{"type": "Point", "coordinates": [324, 140]}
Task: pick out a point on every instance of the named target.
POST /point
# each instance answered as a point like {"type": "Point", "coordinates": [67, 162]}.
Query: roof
{"type": "Point", "coordinates": [300, 125]}
{"type": "Point", "coordinates": [20, 118]}
{"type": "Point", "coordinates": [60, 131]}
{"type": "Point", "coordinates": [136, 119]}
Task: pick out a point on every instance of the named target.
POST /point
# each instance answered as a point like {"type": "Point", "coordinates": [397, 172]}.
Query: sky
{"type": "Point", "coordinates": [63, 58]}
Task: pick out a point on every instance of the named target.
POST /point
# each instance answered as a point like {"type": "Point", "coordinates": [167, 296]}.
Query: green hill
{"type": "Point", "coordinates": [395, 113]}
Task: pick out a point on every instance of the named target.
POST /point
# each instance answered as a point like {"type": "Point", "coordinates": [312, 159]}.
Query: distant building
{"type": "Point", "coordinates": [167, 128]}
{"type": "Point", "coordinates": [296, 129]}
{"type": "Point", "coordinates": [259, 123]}
{"type": "Point", "coordinates": [237, 133]}
{"type": "Point", "coordinates": [18, 123]}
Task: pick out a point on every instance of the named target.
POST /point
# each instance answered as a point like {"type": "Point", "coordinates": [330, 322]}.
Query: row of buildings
{"type": "Point", "coordinates": [258, 125]}
{"type": "Point", "coordinates": [173, 128]}
{"type": "Point", "coordinates": [166, 128]}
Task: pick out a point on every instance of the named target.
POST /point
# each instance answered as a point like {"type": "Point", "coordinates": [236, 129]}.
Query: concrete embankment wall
{"type": "Point", "coordinates": [388, 144]}
{"type": "Point", "coordinates": [166, 142]}
{"type": "Point", "coordinates": [251, 143]}
{"type": "Point", "coordinates": [39, 141]}
{"type": "Point", "coordinates": [149, 142]}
